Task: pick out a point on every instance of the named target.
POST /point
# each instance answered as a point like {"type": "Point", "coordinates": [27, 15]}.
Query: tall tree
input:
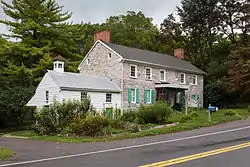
{"type": "Point", "coordinates": [230, 10]}
{"type": "Point", "coordinates": [200, 19]}
{"type": "Point", "coordinates": [171, 34]}
{"type": "Point", "coordinates": [133, 29]}
{"type": "Point", "coordinates": [239, 71]}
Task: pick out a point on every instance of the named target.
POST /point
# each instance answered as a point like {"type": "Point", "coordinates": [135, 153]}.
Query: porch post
{"type": "Point", "coordinates": [186, 104]}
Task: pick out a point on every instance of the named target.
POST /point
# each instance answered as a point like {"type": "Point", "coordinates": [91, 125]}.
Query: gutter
{"type": "Point", "coordinates": [90, 90]}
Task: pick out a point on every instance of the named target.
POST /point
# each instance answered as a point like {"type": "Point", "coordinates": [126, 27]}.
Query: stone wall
{"type": "Point", "coordinates": [142, 83]}
{"type": "Point", "coordinates": [103, 65]}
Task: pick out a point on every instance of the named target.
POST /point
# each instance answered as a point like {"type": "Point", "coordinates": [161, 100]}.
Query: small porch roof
{"type": "Point", "coordinates": [174, 86]}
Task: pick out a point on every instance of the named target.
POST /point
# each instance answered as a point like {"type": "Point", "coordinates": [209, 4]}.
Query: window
{"type": "Point", "coordinates": [108, 98]}
{"type": "Point", "coordinates": [133, 94]}
{"type": "Point", "coordinates": [133, 71]}
{"type": "Point", "coordinates": [47, 96]}
{"type": "Point", "coordinates": [59, 65]}
{"type": "Point", "coordinates": [83, 96]}
{"type": "Point", "coordinates": [148, 73]}
{"type": "Point", "coordinates": [148, 96]}
{"type": "Point", "coordinates": [162, 75]}
{"type": "Point", "coordinates": [109, 56]}
{"type": "Point", "coordinates": [183, 78]}
{"type": "Point", "coordinates": [194, 80]}
{"type": "Point", "coordinates": [88, 61]}
{"type": "Point", "coordinates": [55, 65]}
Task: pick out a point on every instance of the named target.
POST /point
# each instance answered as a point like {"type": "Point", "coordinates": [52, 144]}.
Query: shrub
{"type": "Point", "coordinates": [94, 125]}
{"type": "Point", "coordinates": [191, 116]}
{"type": "Point", "coordinates": [158, 113]}
{"type": "Point", "coordinates": [129, 116]}
{"type": "Point", "coordinates": [53, 119]}
{"type": "Point", "coordinates": [248, 108]}
{"type": "Point", "coordinates": [230, 113]}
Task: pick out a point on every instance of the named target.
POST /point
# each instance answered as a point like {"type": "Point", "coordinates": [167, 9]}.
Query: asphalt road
{"type": "Point", "coordinates": [143, 152]}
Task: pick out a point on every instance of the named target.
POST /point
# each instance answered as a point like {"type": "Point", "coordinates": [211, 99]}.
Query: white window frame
{"type": "Point", "coordinates": [47, 96]}
{"type": "Point", "coordinates": [150, 69]}
{"type": "Point", "coordinates": [109, 56]}
{"type": "Point", "coordinates": [135, 71]}
{"type": "Point", "coordinates": [110, 98]}
{"type": "Point", "coordinates": [196, 80]}
{"type": "Point", "coordinates": [149, 97]}
{"type": "Point", "coordinates": [133, 95]}
{"type": "Point", "coordinates": [183, 79]}
{"type": "Point", "coordinates": [88, 61]}
{"type": "Point", "coordinates": [163, 76]}
{"type": "Point", "coordinates": [83, 98]}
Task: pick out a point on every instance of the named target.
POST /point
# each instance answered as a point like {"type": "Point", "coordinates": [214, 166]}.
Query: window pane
{"type": "Point", "coordinates": [194, 80]}
{"type": "Point", "coordinates": [108, 98]}
{"type": "Point", "coordinates": [133, 95]}
{"type": "Point", "coordinates": [132, 71]}
{"type": "Point", "coordinates": [162, 76]}
{"type": "Point", "coordinates": [47, 96]}
{"type": "Point", "coordinates": [148, 73]}
{"type": "Point", "coordinates": [182, 78]}
{"type": "Point", "coordinates": [83, 96]}
{"type": "Point", "coordinates": [148, 96]}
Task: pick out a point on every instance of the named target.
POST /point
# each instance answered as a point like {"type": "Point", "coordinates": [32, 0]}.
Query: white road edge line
{"type": "Point", "coordinates": [125, 148]}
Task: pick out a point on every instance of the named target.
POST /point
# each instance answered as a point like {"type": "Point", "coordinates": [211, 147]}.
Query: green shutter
{"type": "Point", "coordinates": [137, 95]}
{"type": "Point", "coordinates": [129, 95]}
{"type": "Point", "coordinates": [152, 96]}
{"type": "Point", "coordinates": [145, 96]}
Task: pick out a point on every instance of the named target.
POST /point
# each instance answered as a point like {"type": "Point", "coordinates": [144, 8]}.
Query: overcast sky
{"type": "Point", "coordinates": [97, 11]}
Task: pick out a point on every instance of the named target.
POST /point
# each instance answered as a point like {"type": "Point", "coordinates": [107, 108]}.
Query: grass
{"type": "Point", "coordinates": [5, 153]}
{"type": "Point", "coordinates": [193, 121]}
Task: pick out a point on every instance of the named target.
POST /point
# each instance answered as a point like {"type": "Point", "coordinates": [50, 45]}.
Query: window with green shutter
{"type": "Point", "coordinates": [129, 95]}
{"type": "Point", "coordinates": [147, 96]}
{"type": "Point", "coordinates": [137, 96]}
{"type": "Point", "coordinates": [152, 96]}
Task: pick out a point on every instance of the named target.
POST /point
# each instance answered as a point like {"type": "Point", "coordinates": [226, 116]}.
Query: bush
{"type": "Point", "coordinates": [12, 105]}
{"type": "Point", "coordinates": [158, 113]}
{"type": "Point", "coordinates": [129, 116]}
{"type": "Point", "coordinates": [94, 125]}
{"type": "Point", "coordinates": [53, 119]}
{"type": "Point", "coordinates": [230, 113]}
{"type": "Point", "coordinates": [189, 117]}
{"type": "Point", "coordinates": [248, 108]}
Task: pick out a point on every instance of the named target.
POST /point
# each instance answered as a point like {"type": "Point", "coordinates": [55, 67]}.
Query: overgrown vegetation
{"type": "Point", "coordinates": [5, 153]}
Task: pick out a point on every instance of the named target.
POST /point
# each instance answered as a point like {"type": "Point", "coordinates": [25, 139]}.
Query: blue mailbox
{"type": "Point", "coordinates": [212, 108]}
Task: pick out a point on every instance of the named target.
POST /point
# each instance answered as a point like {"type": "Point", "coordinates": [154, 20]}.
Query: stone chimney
{"type": "Point", "coordinates": [58, 63]}
{"type": "Point", "coordinates": [179, 53]}
{"type": "Point", "coordinates": [103, 36]}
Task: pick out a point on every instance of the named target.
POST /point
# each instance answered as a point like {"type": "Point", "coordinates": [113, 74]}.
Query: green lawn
{"type": "Point", "coordinates": [5, 153]}
{"type": "Point", "coordinates": [198, 120]}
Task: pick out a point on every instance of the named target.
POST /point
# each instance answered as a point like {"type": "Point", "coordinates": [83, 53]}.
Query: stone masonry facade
{"type": "Point", "coordinates": [142, 83]}
{"type": "Point", "coordinates": [104, 62]}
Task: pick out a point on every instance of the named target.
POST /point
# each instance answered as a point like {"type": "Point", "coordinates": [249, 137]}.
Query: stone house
{"type": "Point", "coordinates": [144, 76]}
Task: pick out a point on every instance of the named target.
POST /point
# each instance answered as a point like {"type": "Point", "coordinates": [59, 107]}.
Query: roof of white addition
{"type": "Point", "coordinates": [76, 81]}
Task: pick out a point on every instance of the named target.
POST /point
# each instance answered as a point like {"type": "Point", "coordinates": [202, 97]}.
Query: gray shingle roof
{"type": "Point", "coordinates": [76, 81]}
{"type": "Point", "coordinates": [155, 58]}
